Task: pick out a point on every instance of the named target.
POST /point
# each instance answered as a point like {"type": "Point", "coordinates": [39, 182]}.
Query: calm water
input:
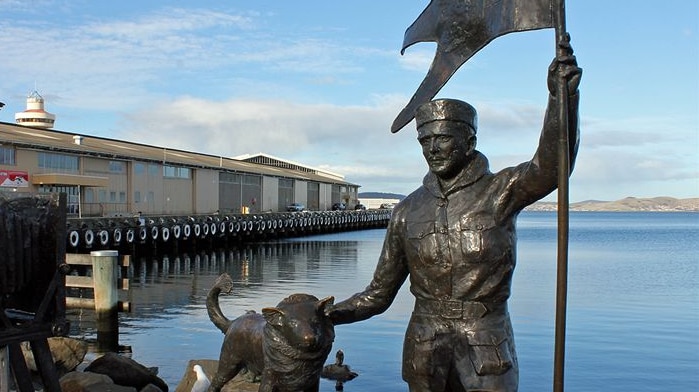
{"type": "Point", "coordinates": [633, 302]}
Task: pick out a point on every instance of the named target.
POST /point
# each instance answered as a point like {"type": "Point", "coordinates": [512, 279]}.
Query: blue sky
{"type": "Point", "coordinates": [320, 82]}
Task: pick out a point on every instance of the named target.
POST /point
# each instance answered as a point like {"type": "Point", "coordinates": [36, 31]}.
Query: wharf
{"type": "Point", "coordinates": [84, 235]}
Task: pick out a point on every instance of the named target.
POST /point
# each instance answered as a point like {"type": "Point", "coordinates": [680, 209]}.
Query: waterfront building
{"type": "Point", "coordinates": [109, 177]}
{"type": "Point", "coordinates": [377, 202]}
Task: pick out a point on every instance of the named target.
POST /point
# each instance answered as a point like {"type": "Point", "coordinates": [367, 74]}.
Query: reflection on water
{"type": "Point", "coordinates": [169, 325]}
{"type": "Point", "coordinates": [632, 307]}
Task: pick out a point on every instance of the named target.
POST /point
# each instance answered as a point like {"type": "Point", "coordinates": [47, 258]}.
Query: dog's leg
{"type": "Point", "coordinates": [224, 374]}
{"type": "Point", "coordinates": [266, 383]}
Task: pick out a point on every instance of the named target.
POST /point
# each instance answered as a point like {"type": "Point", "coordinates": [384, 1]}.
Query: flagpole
{"type": "Point", "coordinates": [563, 208]}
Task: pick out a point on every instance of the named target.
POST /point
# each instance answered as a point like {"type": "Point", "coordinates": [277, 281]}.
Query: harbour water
{"type": "Point", "coordinates": [633, 302]}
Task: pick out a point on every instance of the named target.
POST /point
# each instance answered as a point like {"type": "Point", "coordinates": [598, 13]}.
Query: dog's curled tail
{"type": "Point", "coordinates": [224, 283]}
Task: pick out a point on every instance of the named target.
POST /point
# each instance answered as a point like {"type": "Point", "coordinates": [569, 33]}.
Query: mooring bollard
{"type": "Point", "coordinates": [104, 275]}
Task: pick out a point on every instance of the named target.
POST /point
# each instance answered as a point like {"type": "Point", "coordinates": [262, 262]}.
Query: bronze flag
{"type": "Point", "coordinates": [461, 28]}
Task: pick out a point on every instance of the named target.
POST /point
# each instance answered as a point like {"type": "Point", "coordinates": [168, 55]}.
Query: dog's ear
{"type": "Point", "coordinates": [274, 316]}
{"type": "Point", "coordinates": [323, 303]}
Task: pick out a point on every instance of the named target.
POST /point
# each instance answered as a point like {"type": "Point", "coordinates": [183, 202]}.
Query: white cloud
{"type": "Point", "coordinates": [168, 22]}
{"type": "Point", "coordinates": [417, 60]}
{"type": "Point", "coordinates": [277, 127]}
{"type": "Point", "coordinates": [352, 140]}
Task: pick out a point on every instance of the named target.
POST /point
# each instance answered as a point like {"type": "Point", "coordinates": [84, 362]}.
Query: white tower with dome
{"type": "Point", "coordinates": [35, 115]}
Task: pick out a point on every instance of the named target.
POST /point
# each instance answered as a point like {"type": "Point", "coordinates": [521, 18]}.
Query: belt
{"type": "Point", "coordinates": [451, 309]}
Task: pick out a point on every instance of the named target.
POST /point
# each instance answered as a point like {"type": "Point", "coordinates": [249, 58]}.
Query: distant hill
{"type": "Point", "coordinates": [662, 203]}
{"type": "Point", "coordinates": [626, 204]}
{"type": "Point", "coordinates": [380, 195]}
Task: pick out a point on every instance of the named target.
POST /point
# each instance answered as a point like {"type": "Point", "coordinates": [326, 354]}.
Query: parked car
{"type": "Point", "coordinates": [387, 206]}
{"type": "Point", "coordinates": [296, 207]}
{"type": "Point", "coordinates": [339, 207]}
{"type": "Point", "coordinates": [360, 206]}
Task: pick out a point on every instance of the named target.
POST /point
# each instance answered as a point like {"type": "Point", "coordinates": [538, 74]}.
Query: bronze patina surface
{"type": "Point", "coordinates": [455, 238]}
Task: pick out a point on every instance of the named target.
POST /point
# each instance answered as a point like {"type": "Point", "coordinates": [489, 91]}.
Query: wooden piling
{"type": "Point", "coordinates": [4, 370]}
{"type": "Point", "coordinates": [104, 275]}
{"type": "Point", "coordinates": [88, 282]}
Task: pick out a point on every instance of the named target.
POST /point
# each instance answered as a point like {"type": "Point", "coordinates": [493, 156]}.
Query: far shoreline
{"type": "Point", "coordinates": [629, 204]}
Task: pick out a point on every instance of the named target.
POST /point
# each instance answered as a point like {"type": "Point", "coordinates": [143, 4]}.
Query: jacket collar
{"type": "Point", "coordinates": [474, 170]}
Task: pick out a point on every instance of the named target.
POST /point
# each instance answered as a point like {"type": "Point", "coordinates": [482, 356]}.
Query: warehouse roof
{"type": "Point", "coordinates": [74, 143]}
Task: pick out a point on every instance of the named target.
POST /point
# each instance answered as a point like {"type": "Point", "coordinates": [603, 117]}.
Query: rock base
{"type": "Point", "coordinates": [238, 384]}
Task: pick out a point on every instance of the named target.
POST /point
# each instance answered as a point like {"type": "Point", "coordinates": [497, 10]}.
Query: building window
{"type": "Point", "coordinates": [336, 194]}
{"type": "Point", "coordinates": [168, 171]}
{"type": "Point", "coordinates": [7, 155]}
{"type": "Point", "coordinates": [286, 183]}
{"type": "Point", "coordinates": [286, 193]}
{"type": "Point", "coordinates": [229, 178]}
{"type": "Point", "coordinates": [137, 197]}
{"type": "Point", "coordinates": [102, 196]}
{"type": "Point", "coordinates": [89, 195]}
{"type": "Point", "coordinates": [153, 170]}
{"type": "Point", "coordinates": [117, 167]}
{"type": "Point", "coordinates": [72, 192]}
{"type": "Point", "coordinates": [139, 168]}
{"type": "Point", "coordinates": [252, 180]}
{"type": "Point", "coordinates": [59, 162]}
{"type": "Point", "coordinates": [122, 197]}
{"type": "Point", "coordinates": [175, 172]}
{"type": "Point", "coordinates": [112, 197]}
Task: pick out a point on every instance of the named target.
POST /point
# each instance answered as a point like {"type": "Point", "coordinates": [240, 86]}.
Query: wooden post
{"type": "Point", "coordinates": [104, 275]}
{"type": "Point", "coordinates": [4, 370]}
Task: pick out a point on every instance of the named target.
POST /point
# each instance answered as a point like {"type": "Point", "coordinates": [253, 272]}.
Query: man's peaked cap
{"type": "Point", "coordinates": [446, 110]}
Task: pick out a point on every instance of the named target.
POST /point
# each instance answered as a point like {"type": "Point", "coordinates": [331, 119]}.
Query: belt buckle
{"type": "Point", "coordinates": [451, 309]}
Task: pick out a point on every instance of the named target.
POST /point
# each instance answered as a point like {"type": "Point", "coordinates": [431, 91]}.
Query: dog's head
{"type": "Point", "coordinates": [300, 319]}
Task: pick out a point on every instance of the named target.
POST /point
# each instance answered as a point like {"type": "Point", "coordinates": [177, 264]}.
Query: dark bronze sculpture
{"type": "Point", "coordinates": [455, 238]}
{"type": "Point", "coordinates": [286, 345]}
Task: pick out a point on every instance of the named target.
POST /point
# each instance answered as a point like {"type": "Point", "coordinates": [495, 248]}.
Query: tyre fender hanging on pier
{"type": "Point", "coordinates": [116, 234]}
{"type": "Point", "coordinates": [74, 238]}
{"type": "Point", "coordinates": [103, 236]}
{"type": "Point", "coordinates": [89, 237]}
{"type": "Point", "coordinates": [142, 233]}
{"type": "Point", "coordinates": [130, 235]}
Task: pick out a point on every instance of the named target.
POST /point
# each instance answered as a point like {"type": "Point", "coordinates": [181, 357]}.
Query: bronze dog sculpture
{"type": "Point", "coordinates": [286, 345]}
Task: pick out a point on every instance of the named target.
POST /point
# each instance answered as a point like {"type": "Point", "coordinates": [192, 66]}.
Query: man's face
{"type": "Point", "coordinates": [446, 146]}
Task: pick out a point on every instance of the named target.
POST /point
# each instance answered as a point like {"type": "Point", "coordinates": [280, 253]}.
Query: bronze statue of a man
{"type": "Point", "coordinates": [455, 237]}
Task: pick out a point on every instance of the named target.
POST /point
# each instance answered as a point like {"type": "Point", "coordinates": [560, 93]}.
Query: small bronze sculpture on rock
{"type": "Point", "coordinates": [287, 345]}
{"type": "Point", "coordinates": [338, 371]}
